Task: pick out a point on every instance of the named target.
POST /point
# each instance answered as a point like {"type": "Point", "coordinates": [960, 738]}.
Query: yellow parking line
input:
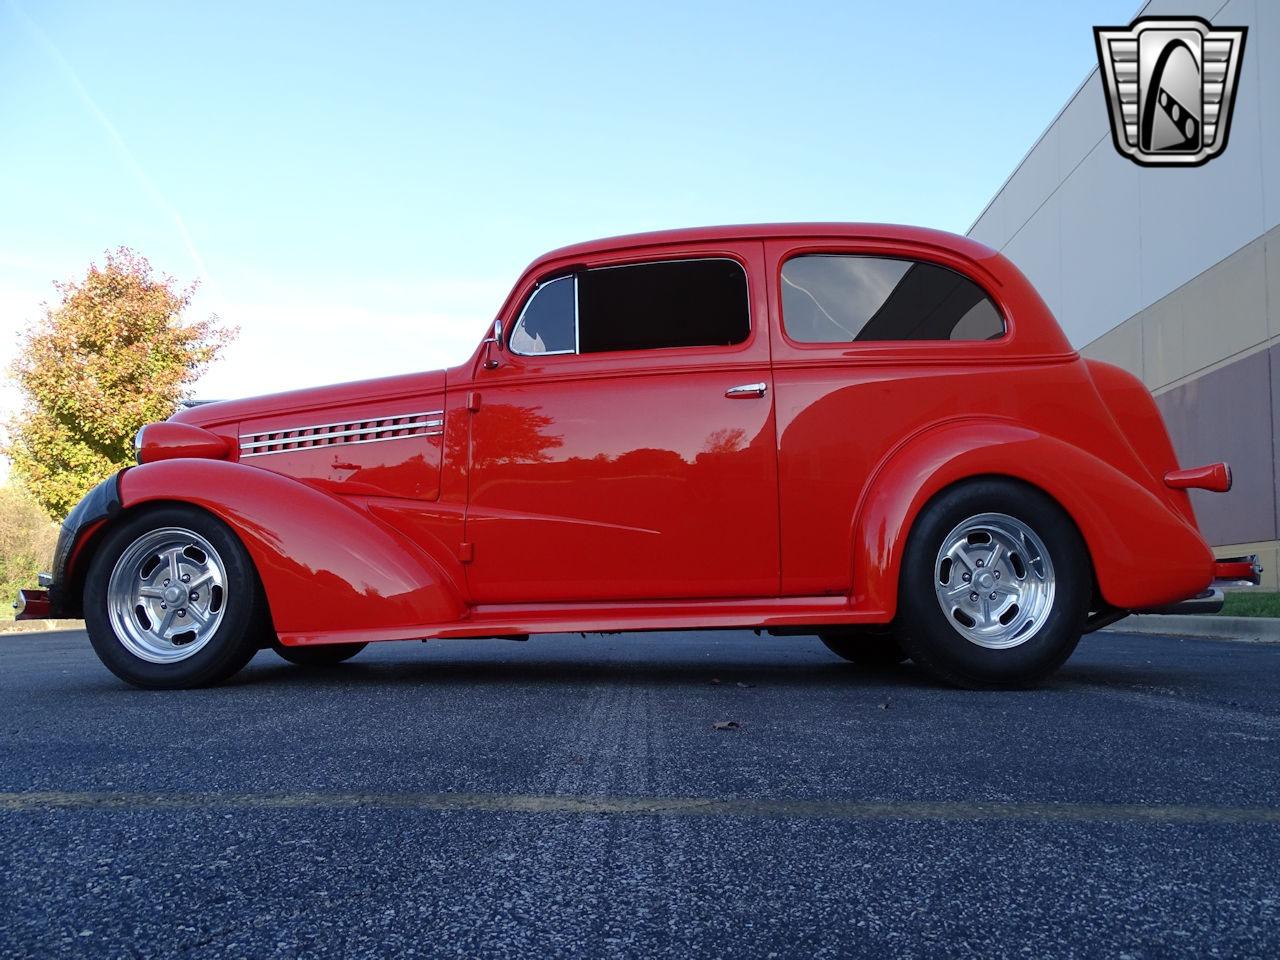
{"type": "Point", "coordinates": [646, 806]}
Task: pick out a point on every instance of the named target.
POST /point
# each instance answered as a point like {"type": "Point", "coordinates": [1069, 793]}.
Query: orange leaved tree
{"type": "Point", "coordinates": [113, 354]}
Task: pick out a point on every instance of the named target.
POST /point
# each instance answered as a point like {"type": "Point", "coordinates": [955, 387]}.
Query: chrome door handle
{"type": "Point", "coordinates": [747, 390]}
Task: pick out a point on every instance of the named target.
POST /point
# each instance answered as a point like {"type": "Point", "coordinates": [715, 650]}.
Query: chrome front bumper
{"type": "Point", "coordinates": [57, 597]}
{"type": "Point", "coordinates": [32, 605]}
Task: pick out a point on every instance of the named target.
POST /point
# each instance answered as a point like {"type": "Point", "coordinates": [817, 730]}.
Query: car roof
{"type": "Point", "coordinates": [772, 231]}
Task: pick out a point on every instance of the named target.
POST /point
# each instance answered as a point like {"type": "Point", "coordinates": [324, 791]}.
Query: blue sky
{"type": "Point", "coordinates": [356, 186]}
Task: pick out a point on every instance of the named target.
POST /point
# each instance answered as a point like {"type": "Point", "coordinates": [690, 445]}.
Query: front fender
{"type": "Point", "coordinates": [324, 565]}
{"type": "Point", "coordinates": [1143, 553]}
{"type": "Point", "coordinates": [88, 516]}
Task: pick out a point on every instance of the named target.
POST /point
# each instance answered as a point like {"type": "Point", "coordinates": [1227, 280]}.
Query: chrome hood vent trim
{"type": "Point", "coordinates": [373, 430]}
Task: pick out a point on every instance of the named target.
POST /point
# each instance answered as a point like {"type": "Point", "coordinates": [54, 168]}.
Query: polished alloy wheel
{"type": "Point", "coordinates": [994, 579]}
{"type": "Point", "coordinates": [167, 595]}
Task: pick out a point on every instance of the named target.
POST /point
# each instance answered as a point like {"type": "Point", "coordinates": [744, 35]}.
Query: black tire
{"type": "Point", "coordinates": [878, 649]}
{"type": "Point", "coordinates": [238, 635]}
{"type": "Point", "coordinates": [927, 631]}
{"type": "Point", "coordinates": [320, 655]}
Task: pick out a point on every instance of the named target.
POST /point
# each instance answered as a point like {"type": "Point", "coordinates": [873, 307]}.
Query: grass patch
{"type": "Point", "coordinates": [1251, 603]}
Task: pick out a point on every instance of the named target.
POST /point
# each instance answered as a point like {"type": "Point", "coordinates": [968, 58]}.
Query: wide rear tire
{"type": "Point", "coordinates": [995, 585]}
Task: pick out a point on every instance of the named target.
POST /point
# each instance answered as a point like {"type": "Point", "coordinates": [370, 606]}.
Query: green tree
{"type": "Point", "coordinates": [112, 355]}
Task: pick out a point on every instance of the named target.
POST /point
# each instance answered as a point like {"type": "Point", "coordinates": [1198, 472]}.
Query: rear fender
{"type": "Point", "coordinates": [1138, 419]}
{"type": "Point", "coordinates": [1143, 552]}
{"type": "Point", "coordinates": [324, 565]}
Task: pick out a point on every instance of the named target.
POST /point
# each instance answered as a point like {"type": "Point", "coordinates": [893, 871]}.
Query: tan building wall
{"type": "Point", "coordinates": [1173, 274]}
{"type": "Point", "coordinates": [1210, 352]}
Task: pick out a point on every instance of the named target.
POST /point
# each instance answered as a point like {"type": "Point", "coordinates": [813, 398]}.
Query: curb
{"type": "Point", "coordinates": [1246, 629]}
{"type": "Point", "coordinates": [39, 626]}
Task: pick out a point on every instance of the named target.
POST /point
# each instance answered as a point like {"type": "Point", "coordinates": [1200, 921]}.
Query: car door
{"type": "Point", "coordinates": [873, 342]}
{"type": "Point", "coordinates": [622, 442]}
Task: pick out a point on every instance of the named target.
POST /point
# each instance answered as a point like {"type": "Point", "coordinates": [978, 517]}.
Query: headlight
{"type": "Point", "coordinates": [168, 440]}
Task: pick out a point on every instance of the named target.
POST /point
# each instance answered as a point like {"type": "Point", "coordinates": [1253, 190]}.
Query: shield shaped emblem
{"type": "Point", "coordinates": [1171, 86]}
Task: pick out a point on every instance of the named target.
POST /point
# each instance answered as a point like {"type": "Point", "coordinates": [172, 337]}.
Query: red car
{"type": "Point", "coordinates": [875, 434]}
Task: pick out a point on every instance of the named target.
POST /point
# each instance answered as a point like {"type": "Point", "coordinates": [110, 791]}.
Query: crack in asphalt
{"type": "Point", "coordinates": [37, 801]}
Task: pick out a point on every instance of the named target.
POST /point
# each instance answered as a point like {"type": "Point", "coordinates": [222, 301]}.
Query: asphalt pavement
{"type": "Point", "coordinates": [644, 795]}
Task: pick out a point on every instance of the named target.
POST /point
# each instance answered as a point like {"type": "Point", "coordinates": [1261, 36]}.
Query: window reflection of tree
{"type": "Point", "coordinates": [510, 434]}
{"type": "Point", "coordinates": [729, 440]}
{"type": "Point", "coordinates": [517, 438]}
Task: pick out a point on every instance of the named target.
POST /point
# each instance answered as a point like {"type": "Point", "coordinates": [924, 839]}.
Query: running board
{"type": "Point", "coordinates": [493, 620]}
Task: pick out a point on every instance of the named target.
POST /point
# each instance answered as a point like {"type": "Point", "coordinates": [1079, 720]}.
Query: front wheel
{"type": "Point", "coordinates": [172, 600]}
{"type": "Point", "coordinates": [995, 586]}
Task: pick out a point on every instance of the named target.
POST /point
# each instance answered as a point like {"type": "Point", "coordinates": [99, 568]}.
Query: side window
{"type": "Point", "coordinates": [645, 306]}
{"type": "Point", "coordinates": [548, 322]}
{"type": "Point", "coordinates": [676, 303]}
{"type": "Point", "coordinates": [841, 299]}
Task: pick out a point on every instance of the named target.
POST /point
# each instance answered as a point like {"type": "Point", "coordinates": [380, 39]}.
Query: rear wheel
{"type": "Point", "coordinates": [320, 655]}
{"type": "Point", "coordinates": [172, 600]}
{"type": "Point", "coordinates": [867, 648]}
{"type": "Point", "coordinates": [995, 586]}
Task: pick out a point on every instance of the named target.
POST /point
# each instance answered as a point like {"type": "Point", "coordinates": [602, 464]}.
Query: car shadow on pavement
{"type": "Point", "coordinates": [566, 661]}
{"type": "Point", "coordinates": [571, 673]}
{"type": "Point", "coordinates": [736, 671]}
{"type": "Point", "coordinates": [1113, 676]}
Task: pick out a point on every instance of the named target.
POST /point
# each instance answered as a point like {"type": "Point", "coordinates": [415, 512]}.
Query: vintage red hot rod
{"type": "Point", "coordinates": [875, 434]}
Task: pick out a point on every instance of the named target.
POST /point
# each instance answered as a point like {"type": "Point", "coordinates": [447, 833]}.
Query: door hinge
{"type": "Point", "coordinates": [473, 401]}
{"type": "Point", "coordinates": [466, 552]}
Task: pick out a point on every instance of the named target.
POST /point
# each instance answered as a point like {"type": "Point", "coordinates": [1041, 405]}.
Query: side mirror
{"type": "Point", "coordinates": [490, 361]}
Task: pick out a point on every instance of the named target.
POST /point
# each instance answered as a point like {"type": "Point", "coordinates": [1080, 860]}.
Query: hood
{"type": "Point", "coordinates": [322, 436]}
{"type": "Point", "coordinates": [313, 399]}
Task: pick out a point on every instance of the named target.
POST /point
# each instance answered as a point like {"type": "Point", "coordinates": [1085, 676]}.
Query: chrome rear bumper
{"type": "Point", "coordinates": [1238, 571]}
{"type": "Point", "coordinates": [1228, 572]}
{"type": "Point", "coordinates": [1208, 601]}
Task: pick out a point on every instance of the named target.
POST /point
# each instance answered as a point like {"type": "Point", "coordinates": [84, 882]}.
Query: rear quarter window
{"type": "Point", "coordinates": [837, 298]}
